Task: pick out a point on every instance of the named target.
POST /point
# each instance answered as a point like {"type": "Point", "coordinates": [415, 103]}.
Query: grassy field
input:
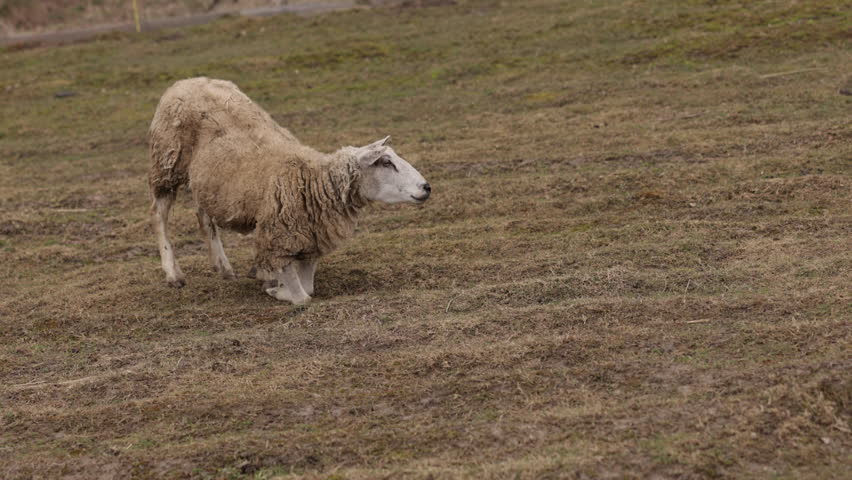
{"type": "Point", "coordinates": [635, 262]}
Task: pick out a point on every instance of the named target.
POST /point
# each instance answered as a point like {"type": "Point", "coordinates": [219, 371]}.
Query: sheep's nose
{"type": "Point", "coordinates": [426, 187]}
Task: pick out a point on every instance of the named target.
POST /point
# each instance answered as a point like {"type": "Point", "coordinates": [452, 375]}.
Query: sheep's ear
{"type": "Point", "coordinates": [380, 143]}
{"type": "Point", "coordinates": [369, 154]}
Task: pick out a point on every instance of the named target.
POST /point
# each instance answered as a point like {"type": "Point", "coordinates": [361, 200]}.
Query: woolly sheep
{"type": "Point", "coordinates": [248, 174]}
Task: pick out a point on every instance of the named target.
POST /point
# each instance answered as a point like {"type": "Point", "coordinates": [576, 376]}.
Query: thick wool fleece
{"type": "Point", "coordinates": [249, 173]}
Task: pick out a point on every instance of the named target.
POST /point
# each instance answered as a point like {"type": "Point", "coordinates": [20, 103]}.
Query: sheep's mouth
{"type": "Point", "coordinates": [421, 199]}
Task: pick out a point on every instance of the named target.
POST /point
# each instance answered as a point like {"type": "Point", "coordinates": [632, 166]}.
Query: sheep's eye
{"type": "Point", "coordinates": [386, 162]}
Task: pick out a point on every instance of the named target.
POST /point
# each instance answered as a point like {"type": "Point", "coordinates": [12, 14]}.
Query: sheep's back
{"type": "Point", "coordinates": [217, 107]}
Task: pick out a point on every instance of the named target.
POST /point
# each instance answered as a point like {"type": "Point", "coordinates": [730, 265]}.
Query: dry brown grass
{"type": "Point", "coordinates": [635, 263]}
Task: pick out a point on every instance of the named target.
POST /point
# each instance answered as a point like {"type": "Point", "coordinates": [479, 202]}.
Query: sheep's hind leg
{"type": "Point", "coordinates": [289, 287]}
{"type": "Point", "coordinates": [160, 213]}
{"type": "Point", "coordinates": [307, 269]}
{"type": "Point", "coordinates": [218, 260]}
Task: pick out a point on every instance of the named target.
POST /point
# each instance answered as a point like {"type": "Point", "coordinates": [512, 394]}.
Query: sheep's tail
{"type": "Point", "coordinates": [172, 138]}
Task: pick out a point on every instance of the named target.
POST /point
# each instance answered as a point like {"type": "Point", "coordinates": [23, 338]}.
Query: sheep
{"type": "Point", "coordinates": [248, 174]}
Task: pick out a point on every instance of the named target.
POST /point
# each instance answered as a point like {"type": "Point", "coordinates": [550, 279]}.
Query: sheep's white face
{"type": "Point", "coordinates": [388, 178]}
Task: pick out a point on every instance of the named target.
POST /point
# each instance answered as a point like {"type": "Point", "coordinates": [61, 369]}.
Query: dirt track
{"type": "Point", "coordinates": [74, 35]}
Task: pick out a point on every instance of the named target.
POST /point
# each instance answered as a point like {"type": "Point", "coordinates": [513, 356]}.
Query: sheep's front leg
{"type": "Point", "coordinates": [307, 269]}
{"type": "Point", "coordinates": [269, 279]}
{"type": "Point", "coordinates": [289, 286]}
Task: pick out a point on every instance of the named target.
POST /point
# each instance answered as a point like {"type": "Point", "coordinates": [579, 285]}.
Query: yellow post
{"type": "Point", "coordinates": [136, 16]}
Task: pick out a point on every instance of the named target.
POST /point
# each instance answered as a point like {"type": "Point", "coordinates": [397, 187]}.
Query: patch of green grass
{"type": "Point", "coordinates": [702, 32]}
{"type": "Point", "coordinates": [337, 56]}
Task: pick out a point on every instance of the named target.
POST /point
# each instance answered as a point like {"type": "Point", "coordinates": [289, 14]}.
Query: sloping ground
{"type": "Point", "coordinates": [635, 263]}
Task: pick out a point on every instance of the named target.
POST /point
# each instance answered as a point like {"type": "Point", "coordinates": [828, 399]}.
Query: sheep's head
{"type": "Point", "coordinates": [387, 178]}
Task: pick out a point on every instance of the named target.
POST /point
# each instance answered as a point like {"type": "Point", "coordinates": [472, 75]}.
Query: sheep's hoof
{"type": "Point", "coordinates": [177, 283]}
{"type": "Point", "coordinates": [228, 275]}
{"type": "Point", "coordinates": [252, 273]}
{"type": "Point", "coordinates": [285, 295]}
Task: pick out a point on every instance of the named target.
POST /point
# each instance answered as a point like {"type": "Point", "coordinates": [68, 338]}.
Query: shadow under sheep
{"type": "Point", "coordinates": [335, 281]}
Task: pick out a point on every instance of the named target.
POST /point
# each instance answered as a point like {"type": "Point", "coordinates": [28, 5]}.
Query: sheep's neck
{"type": "Point", "coordinates": [338, 202]}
